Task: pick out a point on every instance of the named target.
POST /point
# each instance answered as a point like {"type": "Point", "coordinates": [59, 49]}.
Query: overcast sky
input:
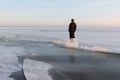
{"type": "Point", "coordinates": [59, 12]}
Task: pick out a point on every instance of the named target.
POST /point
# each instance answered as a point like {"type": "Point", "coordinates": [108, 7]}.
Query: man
{"type": "Point", "coordinates": [72, 29]}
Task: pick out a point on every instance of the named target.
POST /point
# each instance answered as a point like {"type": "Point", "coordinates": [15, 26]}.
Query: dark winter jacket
{"type": "Point", "coordinates": [72, 27]}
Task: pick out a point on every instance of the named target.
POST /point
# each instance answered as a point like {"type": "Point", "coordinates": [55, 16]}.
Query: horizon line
{"type": "Point", "coordinates": [51, 26]}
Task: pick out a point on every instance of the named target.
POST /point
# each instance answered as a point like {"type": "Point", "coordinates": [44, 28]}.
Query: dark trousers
{"type": "Point", "coordinates": [71, 35]}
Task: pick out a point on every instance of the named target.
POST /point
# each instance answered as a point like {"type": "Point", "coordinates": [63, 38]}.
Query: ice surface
{"type": "Point", "coordinates": [71, 43]}
{"type": "Point", "coordinates": [9, 36]}
{"type": "Point", "coordinates": [19, 51]}
{"type": "Point", "coordinates": [9, 61]}
{"type": "Point", "coordinates": [94, 48]}
{"type": "Point", "coordinates": [36, 70]}
{"type": "Point", "coordinates": [101, 37]}
{"type": "Point", "coordinates": [59, 42]}
{"type": "Point", "coordinates": [95, 39]}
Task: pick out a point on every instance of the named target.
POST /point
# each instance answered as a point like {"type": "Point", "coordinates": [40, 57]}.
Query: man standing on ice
{"type": "Point", "coordinates": [72, 29]}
